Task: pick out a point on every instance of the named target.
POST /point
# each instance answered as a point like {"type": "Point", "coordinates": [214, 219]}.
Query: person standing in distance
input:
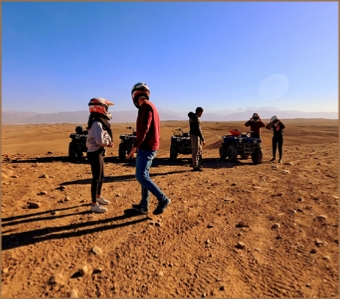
{"type": "Point", "coordinates": [99, 136]}
{"type": "Point", "coordinates": [146, 145]}
{"type": "Point", "coordinates": [255, 124]}
{"type": "Point", "coordinates": [277, 140]}
{"type": "Point", "coordinates": [196, 138]}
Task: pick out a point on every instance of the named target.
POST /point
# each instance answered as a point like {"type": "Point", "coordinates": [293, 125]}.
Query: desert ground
{"type": "Point", "coordinates": [235, 230]}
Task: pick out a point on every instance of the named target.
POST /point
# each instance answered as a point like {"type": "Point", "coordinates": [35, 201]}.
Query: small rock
{"type": "Point", "coordinates": [207, 241]}
{"type": "Point", "coordinates": [275, 225]}
{"type": "Point", "coordinates": [97, 250]}
{"type": "Point", "coordinates": [62, 187]}
{"type": "Point", "coordinates": [322, 217]}
{"type": "Point", "coordinates": [313, 251]}
{"type": "Point", "coordinates": [33, 205]}
{"type": "Point", "coordinates": [84, 270]}
{"type": "Point", "coordinates": [157, 224]}
{"type": "Point", "coordinates": [326, 257]}
{"type": "Point", "coordinates": [42, 193]}
{"type": "Point", "coordinates": [118, 195]}
{"type": "Point", "coordinates": [97, 270]}
{"type": "Point", "coordinates": [54, 212]}
{"type": "Point", "coordinates": [242, 224]}
{"type": "Point", "coordinates": [318, 243]}
{"type": "Point", "coordinates": [210, 226]}
{"type": "Point", "coordinates": [57, 279]}
{"type": "Point", "coordinates": [74, 293]}
{"type": "Point", "coordinates": [222, 288]}
{"type": "Point", "coordinates": [45, 176]}
{"type": "Point", "coordinates": [66, 199]}
{"type": "Point", "coordinates": [160, 273]}
{"type": "Point", "coordinates": [5, 270]}
{"type": "Point", "coordinates": [15, 176]}
{"type": "Point", "coordinates": [240, 245]}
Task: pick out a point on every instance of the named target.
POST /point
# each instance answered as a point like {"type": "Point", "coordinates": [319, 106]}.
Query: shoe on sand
{"type": "Point", "coordinates": [97, 208]}
{"type": "Point", "coordinates": [102, 201]}
{"type": "Point", "coordinates": [162, 206]}
{"type": "Point", "coordinates": [140, 208]}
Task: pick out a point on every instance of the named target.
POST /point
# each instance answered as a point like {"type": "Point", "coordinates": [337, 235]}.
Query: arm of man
{"type": "Point", "coordinates": [143, 126]}
{"type": "Point", "coordinates": [247, 124]}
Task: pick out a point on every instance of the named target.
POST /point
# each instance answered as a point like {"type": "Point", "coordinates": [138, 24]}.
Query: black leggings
{"type": "Point", "coordinates": [96, 160]}
{"type": "Point", "coordinates": [277, 140]}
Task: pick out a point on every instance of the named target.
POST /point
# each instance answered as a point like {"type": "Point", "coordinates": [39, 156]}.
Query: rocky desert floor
{"type": "Point", "coordinates": [235, 230]}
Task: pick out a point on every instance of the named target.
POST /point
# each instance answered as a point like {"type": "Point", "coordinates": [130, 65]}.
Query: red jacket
{"type": "Point", "coordinates": [255, 126]}
{"type": "Point", "coordinates": [147, 127]}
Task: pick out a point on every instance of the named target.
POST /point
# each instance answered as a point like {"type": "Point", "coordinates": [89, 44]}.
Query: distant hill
{"type": "Point", "coordinates": [10, 117]}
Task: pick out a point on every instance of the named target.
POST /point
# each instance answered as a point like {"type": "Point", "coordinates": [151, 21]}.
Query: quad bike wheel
{"type": "Point", "coordinates": [232, 152]}
{"type": "Point", "coordinates": [173, 152]}
{"type": "Point", "coordinates": [223, 152]}
{"type": "Point", "coordinates": [73, 153]}
{"type": "Point", "coordinates": [122, 151]}
{"type": "Point", "coordinates": [257, 156]}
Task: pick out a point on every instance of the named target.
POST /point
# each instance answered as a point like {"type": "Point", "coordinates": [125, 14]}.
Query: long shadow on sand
{"type": "Point", "coordinates": [14, 240]}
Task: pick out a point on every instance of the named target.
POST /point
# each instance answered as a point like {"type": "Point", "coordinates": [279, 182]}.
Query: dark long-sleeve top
{"type": "Point", "coordinates": [195, 125]}
{"type": "Point", "coordinates": [147, 127]}
{"type": "Point", "coordinates": [255, 126]}
{"type": "Point", "coordinates": [277, 129]}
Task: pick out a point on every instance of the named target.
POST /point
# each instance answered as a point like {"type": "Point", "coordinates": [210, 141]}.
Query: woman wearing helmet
{"type": "Point", "coordinates": [99, 136]}
{"type": "Point", "coordinates": [277, 140]}
{"type": "Point", "coordinates": [255, 124]}
{"type": "Point", "coordinates": [147, 143]}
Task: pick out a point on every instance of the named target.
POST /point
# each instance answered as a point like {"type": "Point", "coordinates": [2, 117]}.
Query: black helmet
{"type": "Point", "coordinates": [139, 90]}
{"type": "Point", "coordinates": [256, 116]}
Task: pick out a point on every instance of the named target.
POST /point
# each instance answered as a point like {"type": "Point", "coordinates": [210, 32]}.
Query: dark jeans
{"type": "Point", "coordinates": [143, 165]}
{"type": "Point", "coordinates": [96, 160]}
{"type": "Point", "coordinates": [255, 135]}
{"type": "Point", "coordinates": [277, 141]}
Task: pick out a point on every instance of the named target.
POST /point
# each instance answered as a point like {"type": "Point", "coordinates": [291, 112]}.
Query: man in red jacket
{"type": "Point", "coordinates": [255, 124]}
{"type": "Point", "coordinates": [146, 145]}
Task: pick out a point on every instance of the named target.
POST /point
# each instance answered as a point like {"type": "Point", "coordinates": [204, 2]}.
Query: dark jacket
{"type": "Point", "coordinates": [147, 127]}
{"type": "Point", "coordinates": [195, 125]}
{"type": "Point", "coordinates": [255, 126]}
{"type": "Point", "coordinates": [277, 128]}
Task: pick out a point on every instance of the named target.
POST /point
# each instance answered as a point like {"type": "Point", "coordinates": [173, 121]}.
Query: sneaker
{"type": "Point", "coordinates": [98, 209]}
{"type": "Point", "coordinates": [102, 201]}
{"type": "Point", "coordinates": [280, 160]}
{"type": "Point", "coordinates": [272, 160]}
{"type": "Point", "coordinates": [197, 169]}
{"type": "Point", "coordinates": [162, 206]}
{"type": "Point", "coordinates": [140, 208]}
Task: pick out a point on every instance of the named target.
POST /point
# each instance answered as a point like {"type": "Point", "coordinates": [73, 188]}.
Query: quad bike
{"type": "Point", "coordinates": [180, 144]}
{"type": "Point", "coordinates": [77, 146]}
{"type": "Point", "coordinates": [237, 144]}
{"type": "Point", "coordinates": [126, 143]}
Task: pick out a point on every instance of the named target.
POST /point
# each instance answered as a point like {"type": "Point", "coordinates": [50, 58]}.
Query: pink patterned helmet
{"type": "Point", "coordinates": [101, 106]}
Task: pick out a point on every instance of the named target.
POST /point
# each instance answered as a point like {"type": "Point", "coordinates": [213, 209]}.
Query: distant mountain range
{"type": "Point", "coordinates": [10, 117]}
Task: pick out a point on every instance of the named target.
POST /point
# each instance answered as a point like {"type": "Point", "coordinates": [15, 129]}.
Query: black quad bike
{"type": "Point", "coordinates": [243, 145]}
{"type": "Point", "coordinates": [77, 146]}
{"type": "Point", "coordinates": [180, 144]}
{"type": "Point", "coordinates": [126, 143]}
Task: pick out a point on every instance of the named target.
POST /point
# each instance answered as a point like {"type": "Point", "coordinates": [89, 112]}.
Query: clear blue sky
{"type": "Point", "coordinates": [218, 55]}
